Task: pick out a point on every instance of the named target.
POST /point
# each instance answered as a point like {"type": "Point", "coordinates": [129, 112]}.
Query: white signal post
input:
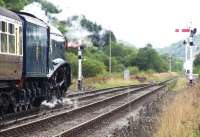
{"type": "Point", "coordinates": [80, 48]}
{"type": "Point", "coordinates": [80, 76]}
{"type": "Point", "coordinates": [189, 58]}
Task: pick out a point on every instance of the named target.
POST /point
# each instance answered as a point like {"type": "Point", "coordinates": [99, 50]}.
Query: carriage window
{"type": "Point", "coordinates": [20, 40]}
{"type": "Point", "coordinates": [11, 28]}
{"type": "Point", "coordinates": [4, 26]}
{"type": "Point", "coordinates": [11, 43]}
{"type": "Point", "coordinates": [11, 38]}
{"type": "Point", "coordinates": [3, 42]}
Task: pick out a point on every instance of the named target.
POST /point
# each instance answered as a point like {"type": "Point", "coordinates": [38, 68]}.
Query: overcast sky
{"type": "Point", "coordinates": [138, 21]}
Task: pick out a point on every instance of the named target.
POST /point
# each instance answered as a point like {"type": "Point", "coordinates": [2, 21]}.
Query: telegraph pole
{"type": "Point", "coordinates": [110, 59]}
{"type": "Point", "coordinates": [170, 63]}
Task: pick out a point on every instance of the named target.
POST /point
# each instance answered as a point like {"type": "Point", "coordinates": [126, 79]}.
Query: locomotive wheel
{"type": "Point", "coordinates": [63, 81]}
{"type": "Point", "coordinates": [56, 81]}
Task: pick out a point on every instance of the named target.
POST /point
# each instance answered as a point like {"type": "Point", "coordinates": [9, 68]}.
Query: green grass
{"type": "Point", "coordinates": [196, 134]}
{"type": "Point", "coordinates": [181, 84]}
{"type": "Point", "coordinates": [107, 81]}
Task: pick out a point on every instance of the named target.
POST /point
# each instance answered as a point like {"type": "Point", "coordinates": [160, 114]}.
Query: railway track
{"type": "Point", "coordinates": [69, 123]}
{"type": "Point", "coordinates": [82, 97]}
{"type": "Point", "coordinates": [102, 91]}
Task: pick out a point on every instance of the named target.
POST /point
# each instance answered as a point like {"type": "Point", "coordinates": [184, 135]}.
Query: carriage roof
{"type": "Point", "coordinates": [9, 14]}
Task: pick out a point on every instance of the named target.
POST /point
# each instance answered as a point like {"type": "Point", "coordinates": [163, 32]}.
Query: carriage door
{"type": "Point", "coordinates": [18, 47]}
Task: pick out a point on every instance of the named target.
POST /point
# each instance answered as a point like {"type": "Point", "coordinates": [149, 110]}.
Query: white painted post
{"type": "Point", "coordinates": [191, 56]}
{"type": "Point", "coordinates": [80, 83]}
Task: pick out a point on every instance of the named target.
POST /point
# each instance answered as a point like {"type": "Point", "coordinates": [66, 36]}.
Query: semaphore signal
{"type": "Point", "coordinates": [189, 57]}
{"type": "Point", "coordinates": [182, 30]}
{"type": "Point", "coordinates": [80, 47]}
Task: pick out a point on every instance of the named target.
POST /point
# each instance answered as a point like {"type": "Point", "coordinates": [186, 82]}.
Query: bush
{"type": "Point", "coordinates": [197, 69]}
{"type": "Point", "coordinates": [92, 67]}
{"type": "Point", "coordinates": [150, 71]}
{"type": "Point", "coordinates": [133, 70]}
{"type": "Point", "coordinates": [73, 60]}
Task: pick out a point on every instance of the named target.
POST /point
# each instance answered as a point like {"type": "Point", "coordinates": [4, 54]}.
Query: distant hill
{"type": "Point", "coordinates": [178, 49]}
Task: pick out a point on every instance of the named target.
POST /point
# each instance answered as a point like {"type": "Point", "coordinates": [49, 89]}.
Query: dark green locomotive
{"type": "Point", "coordinates": [32, 63]}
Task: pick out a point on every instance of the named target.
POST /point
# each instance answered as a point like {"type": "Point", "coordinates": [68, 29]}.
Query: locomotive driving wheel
{"type": "Point", "coordinates": [58, 82]}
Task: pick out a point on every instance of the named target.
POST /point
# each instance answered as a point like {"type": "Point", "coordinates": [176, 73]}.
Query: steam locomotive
{"type": "Point", "coordinates": [32, 63]}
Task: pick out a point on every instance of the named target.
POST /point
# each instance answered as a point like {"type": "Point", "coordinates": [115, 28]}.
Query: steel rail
{"type": "Point", "coordinates": [29, 126]}
{"type": "Point", "coordinates": [83, 126]}
{"type": "Point", "coordinates": [79, 98]}
{"type": "Point", "coordinates": [41, 122]}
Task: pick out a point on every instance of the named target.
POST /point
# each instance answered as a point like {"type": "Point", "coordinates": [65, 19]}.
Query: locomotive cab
{"type": "Point", "coordinates": [36, 44]}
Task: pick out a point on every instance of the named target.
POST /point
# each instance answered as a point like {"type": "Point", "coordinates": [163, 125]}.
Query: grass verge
{"type": "Point", "coordinates": [114, 80]}
{"type": "Point", "coordinates": [181, 117]}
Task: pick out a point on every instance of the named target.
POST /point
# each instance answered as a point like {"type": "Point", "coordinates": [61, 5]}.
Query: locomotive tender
{"type": "Point", "coordinates": [32, 64]}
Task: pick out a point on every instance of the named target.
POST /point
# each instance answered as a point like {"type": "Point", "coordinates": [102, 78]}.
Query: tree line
{"type": "Point", "coordinates": [18, 5]}
{"type": "Point", "coordinates": [96, 60]}
{"type": "Point", "coordinates": [96, 57]}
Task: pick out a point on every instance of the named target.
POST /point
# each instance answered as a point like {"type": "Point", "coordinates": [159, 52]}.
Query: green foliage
{"type": "Point", "coordinates": [150, 71]}
{"type": "Point", "coordinates": [14, 4]}
{"type": "Point", "coordinates": [123, 54]}
{"type": "Point", "coordinates": [62, 26]}
{"type": "Point", "coordinates": [73, 60]}
{"type": "Point", "coordinates": [176, 64]}
{"type": "Point", "coordinates": [2, 4]}
{"type": "Point", "coordinates": [197, 60]}
{"type": "Point", "coordinates": [197, 69]}
{"type": "Point", "coordinates": [117, 66]}
{"type": "Point", "coordinates": [133, 70]}
{"type": "Point", "coordinates": [90, 26]}
{"type": "Point", "coordinates": [19, 4]}
{"type": "Point", "coordinates": [92, 67]}
{"type": "Point", "coordinates": [49, 7]}
{"type": "Point", "coordinates": [97, 60]}
{"type": "Point", "coordinates": [148, 58]}
{"type": "Point", "coordinates": [196, 134]}
{"type": "Point", "coordinates": [197, 64]}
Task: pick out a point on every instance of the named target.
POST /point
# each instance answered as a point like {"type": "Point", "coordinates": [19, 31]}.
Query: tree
{"type": "Point", "coordinates": [176, 64]}
{"type": "Point", "coordinates": [48, 6]}
{"type": "Point", "coordinates": [92, 67]}
{"type": "Point", "coordinates": [62, 26]}
{"type": "Point", "coordinates": [18, 5]}
{"type": "Point", "coordinates": [14, 4]}
{"type": "Point", "coordinates": [197, 64]}
{"type": "Point", "coordinates": [197, 60]}
{"type": "Point", "coordinates": [148, 58]}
